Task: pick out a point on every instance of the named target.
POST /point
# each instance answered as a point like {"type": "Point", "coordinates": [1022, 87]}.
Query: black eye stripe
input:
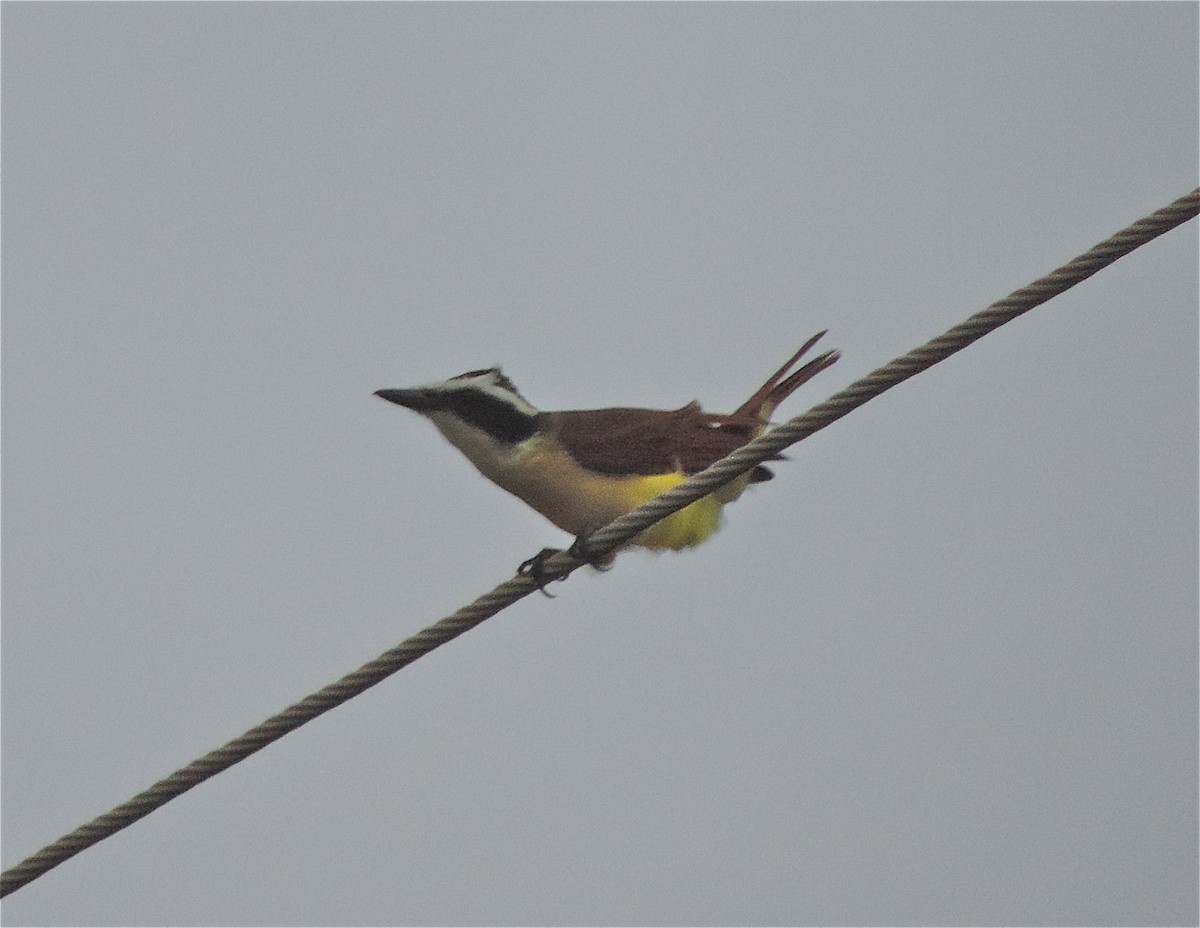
{"type": "Point", "coordinates": [496, 417]}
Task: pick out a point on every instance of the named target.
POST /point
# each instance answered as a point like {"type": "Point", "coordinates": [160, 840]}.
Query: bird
{"type": "Point", "coordinates": [583, 468]}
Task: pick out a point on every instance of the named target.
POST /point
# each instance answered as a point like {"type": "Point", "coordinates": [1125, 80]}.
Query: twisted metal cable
{"type": "Point", "coordinates": [605, 540]}
{"type": "Point", "coordinates": [884, 378]}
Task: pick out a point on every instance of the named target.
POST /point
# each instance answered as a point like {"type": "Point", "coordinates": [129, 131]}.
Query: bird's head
{"type": "Point", "coordinates": [478, 406]}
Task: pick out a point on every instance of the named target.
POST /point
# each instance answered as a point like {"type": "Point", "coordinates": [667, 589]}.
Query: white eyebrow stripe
{"type": "Point", "coordinates": [488, 384]}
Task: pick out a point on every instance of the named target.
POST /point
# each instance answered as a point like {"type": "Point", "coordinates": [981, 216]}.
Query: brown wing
{"type": "Point", "coordinates": [622, 441]}
{"type": "Point", "coordinates": [648, 441]}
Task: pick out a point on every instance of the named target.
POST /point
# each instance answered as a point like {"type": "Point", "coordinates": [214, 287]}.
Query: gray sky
{"type": "Point", "coordinates": [941, 670]}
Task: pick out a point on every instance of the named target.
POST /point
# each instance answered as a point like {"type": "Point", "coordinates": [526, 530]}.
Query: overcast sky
{"type": "Point", "coordinates": [942, 670]}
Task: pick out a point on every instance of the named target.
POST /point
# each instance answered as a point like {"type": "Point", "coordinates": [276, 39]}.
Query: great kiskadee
{"type": "Point", "coordinates": [583, 468]}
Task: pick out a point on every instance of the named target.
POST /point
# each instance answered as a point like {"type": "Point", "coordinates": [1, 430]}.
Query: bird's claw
{"type": "Point", "coordinates": [580, 551]}
{"type": "Point", "coordinates": [535, 567]}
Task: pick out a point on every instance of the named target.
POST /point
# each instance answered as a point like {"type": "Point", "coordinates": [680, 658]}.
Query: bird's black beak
{"type": "Point", "coordinates": [418, 400]}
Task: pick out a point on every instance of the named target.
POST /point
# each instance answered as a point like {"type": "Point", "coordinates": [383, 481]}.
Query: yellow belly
{"type": "Point", "coordinates": [690, 526]}
{"type": "Point", "coordinates": [580, 501]}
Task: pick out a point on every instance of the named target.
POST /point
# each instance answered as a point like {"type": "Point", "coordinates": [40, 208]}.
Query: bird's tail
{"type": "Point", "coordinates": [781, 384]}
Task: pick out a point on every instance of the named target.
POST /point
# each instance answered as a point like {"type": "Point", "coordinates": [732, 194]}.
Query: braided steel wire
{"type": "Point", "coordinates": [894, 372]}
{"type": "Point", "coordinates": [604, 540]}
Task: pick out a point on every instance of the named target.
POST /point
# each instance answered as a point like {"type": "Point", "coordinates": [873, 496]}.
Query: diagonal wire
{"type": "Point", "coordinates": [606, 539]}
{"type": "Point", "coordinates": [894, 372]}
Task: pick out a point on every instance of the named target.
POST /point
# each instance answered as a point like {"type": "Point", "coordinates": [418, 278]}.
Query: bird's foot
{"type": "Point", "coordinates": [579, 550]}
{"type": "Point", "coordinates": [535, 569]}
